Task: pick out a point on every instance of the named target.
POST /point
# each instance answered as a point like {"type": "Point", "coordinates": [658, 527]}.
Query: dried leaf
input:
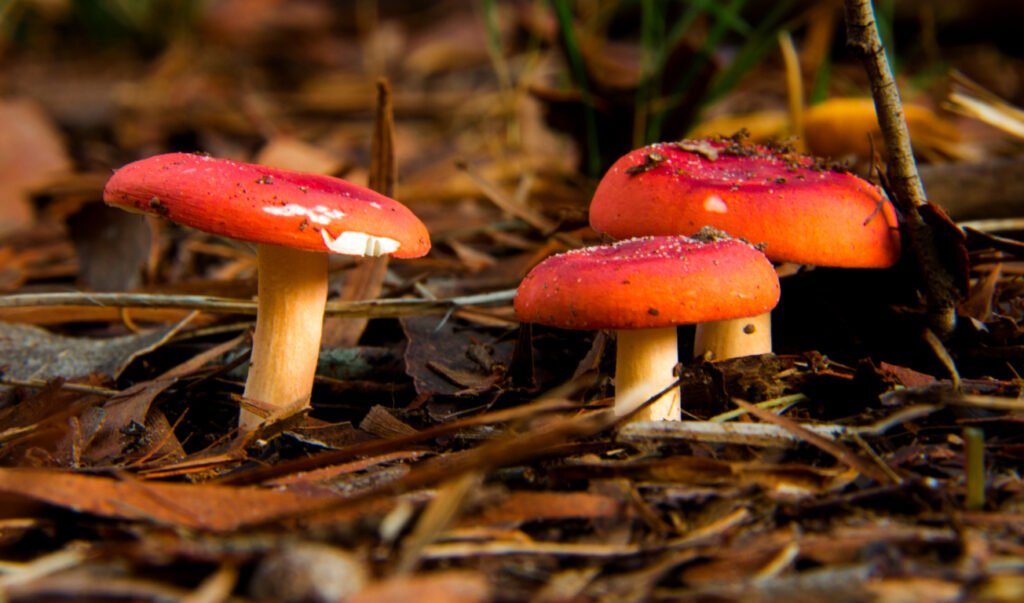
{"type": "Point", "coordinates": [474, 259]}
{"type": "Point", "coordinates": [979, 302]}
{"type": "Point", "coordinates": [518, 508]}
{"type": "Point", "coordinates": [383, 424]}
{"type": "Point", "coordinates": [126, 413]}
{"type": "Point", "coordinates": [42, 260]}
{"type": "Point", "coordinates": [907, 376]}
{"type": "Point", "coordinates": [33, 353]}
{"type": "Point", "coordinates": [32, 151]}
{"type": "Point", "coordinates": [195, 506]}
{"type": "Point", "coordinates": [439, 361]}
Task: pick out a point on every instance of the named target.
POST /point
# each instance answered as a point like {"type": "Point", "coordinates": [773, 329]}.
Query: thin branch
{"type": "Point", "coordinates": [81, 388]}
{"type": "Point", "coordinates": [908, 192]}
{"type": "Point", "coordinates": [764, 434]}
{"type": "Point", "coordinates": [819, 441]}
{"type": "Point", "coordinates": [370, 308]}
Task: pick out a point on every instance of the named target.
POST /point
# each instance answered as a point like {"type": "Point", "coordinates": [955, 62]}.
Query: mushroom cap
{"type": "Point", "coordinates": [648, 282]}
{"type": "Point", "coordinates": [799, 209]}
{"type": "Point", "coordinates": [261, 204]}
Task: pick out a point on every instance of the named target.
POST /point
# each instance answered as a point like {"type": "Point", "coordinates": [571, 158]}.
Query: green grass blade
{"type": "Point", "coordinates": [760, 42]}
{"type": "Point", "coordinates": [652, 49]}
{"type": "Point", "coordinates": [572, 50]}
{"type": "Point", "coordinates": [724, 18]}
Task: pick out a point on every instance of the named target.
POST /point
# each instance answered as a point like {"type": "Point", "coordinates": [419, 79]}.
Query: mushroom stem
{"type": "Point", "coordinates": [724, 339]}
{"type": "Point", "coordinates": [644, 363]}
{"type": "Point", "coordinates": [289, 318]}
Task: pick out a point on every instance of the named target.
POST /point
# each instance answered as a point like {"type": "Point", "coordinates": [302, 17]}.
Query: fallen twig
{"type": "Point", "coordinates": [370, 308]}
{"type": "Point", "coordinates": [818, 441]}
{"type": "Point", "coordinates": [747, 434]}
{"type": "Point", "coordinates": [908, 192]}
{"type": "Point", "coordinates": [761, 434]}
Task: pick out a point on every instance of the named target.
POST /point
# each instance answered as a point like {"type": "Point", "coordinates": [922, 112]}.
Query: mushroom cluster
{"type": "Point", "coordinates": [643, 288]}
{"type": "Point", "coordinates": [295, 219]}
{"type": "Point", "coordinates": [792, 207]}
{"type": "Point", "coordinates": [795, 208]}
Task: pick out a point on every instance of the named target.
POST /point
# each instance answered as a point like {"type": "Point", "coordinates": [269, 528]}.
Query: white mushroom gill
{"type": "Point", "coordinates": [359, 243]}
{"type": "Point", "coordinates": [320, 214]}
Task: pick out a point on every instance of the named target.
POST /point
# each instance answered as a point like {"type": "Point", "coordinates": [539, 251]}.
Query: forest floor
{"type": "Point", "coordinates": [452, 453]}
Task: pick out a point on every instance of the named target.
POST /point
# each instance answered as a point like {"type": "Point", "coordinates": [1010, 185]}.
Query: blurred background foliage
{"type": "Point", "coordinates": [612, 75]}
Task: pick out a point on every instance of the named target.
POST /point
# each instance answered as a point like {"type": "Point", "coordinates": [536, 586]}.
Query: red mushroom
{"type": "Point", "coordinates": [296, 219]}
{"type": "Point", "coordinates": [642, 288]}
{"type": "Point", "coordinates": [797, 209]}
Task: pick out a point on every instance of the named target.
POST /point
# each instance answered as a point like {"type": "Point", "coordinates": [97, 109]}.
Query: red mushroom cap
{"type": "Point", "coordinates": [648, 282]}
{"type": "Point", "coordinates": [268, 205]}
{"type": "Point", "coordinates": [800, 210]}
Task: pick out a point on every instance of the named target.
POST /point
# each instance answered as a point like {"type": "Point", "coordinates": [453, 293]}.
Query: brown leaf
{"type": "Point", "coordinates": [981, 298]}
{"type": "Point", "coordinates": [474, 259]}
{"type": "Point", "coordinates": [54, 422]}
{"type": "Point", "coordinates": [439, 361]}
{"type": "Point", "coordinates": [471, 382]}
{"type": "Point", "coordinates": [128, 410]}
{"type": "Point", "coordinates": [332, 475]}
{"type": "Point", "coordinates": [521, 507]}
{"type": "Point", "coordinates": [33, 353]}
{"type": "Point", "coordinates": [32, 151]}
{"type": "Point", "coordinates": [44, 259]}
{"type": "Point", "coordinates": [383, 424]}
{"type": "Point", "coordinates": [906, 376]}
{"type": "Point", "coordinates": [195, 506]}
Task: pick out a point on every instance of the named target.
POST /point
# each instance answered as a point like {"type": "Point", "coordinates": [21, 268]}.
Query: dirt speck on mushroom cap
{"type": "Point", "coordinates": [261, 204]}
{"type": "Point", "coordinates": [648, 282]}
{"type": "Point", "coordinates": [801, 209]}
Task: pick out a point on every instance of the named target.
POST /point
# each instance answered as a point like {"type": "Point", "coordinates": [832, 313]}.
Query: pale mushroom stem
{"type": "Point", "coordinates": [726, 339]}
{"type": "Point", "coordinates": [644, 363]}
{"type": "Point", "coordinates": [291, 298]}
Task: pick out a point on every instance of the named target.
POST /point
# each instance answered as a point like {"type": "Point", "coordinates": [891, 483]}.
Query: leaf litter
{"type": "Point", "coordinates": [452, 454]}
